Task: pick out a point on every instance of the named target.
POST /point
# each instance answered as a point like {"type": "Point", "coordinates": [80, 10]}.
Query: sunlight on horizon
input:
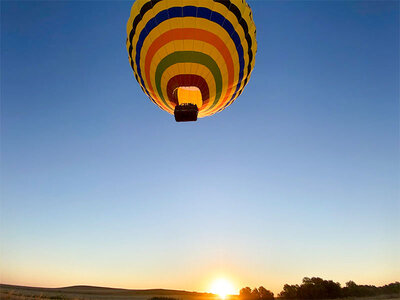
{"type": "Point", "coordinates": [222, 288]}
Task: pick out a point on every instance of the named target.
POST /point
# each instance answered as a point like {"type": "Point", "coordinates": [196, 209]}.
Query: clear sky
{"type": "Point", "coordinates": [299, 177]}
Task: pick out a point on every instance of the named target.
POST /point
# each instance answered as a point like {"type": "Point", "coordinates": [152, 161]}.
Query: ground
{"type": "Point", "coordinates": [12, 292]}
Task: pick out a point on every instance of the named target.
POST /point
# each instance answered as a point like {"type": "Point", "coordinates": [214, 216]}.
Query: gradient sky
{"type": "Point", "coordinates": [299, 177]}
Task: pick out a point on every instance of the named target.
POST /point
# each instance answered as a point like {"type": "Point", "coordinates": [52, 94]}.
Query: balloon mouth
{"type": "Point", "coordinates": [186, 112]}
{"type": "Point", "coordinates": [189, 94]}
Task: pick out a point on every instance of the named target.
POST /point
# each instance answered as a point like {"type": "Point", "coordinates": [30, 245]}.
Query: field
{"type": "Point", "coordinates": [12, 292]}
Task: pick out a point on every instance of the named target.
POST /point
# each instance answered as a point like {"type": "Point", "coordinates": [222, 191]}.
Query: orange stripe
{"type": "Point", "coordinates": [190, 34]}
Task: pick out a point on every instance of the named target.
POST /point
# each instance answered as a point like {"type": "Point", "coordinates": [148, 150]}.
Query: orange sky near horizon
{"type": "Point", "coordinates": [189, 282]}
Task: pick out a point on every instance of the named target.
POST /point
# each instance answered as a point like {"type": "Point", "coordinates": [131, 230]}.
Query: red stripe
{"type": "Point", "coordinates": [187, 80]}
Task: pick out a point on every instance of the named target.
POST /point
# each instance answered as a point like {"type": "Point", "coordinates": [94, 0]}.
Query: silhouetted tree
{"type": "Point", "coordinates": [354, 290]}
{"type": "Point", "coordinates": [256, 294]}
{"type": "Point", "coordinates": [312, 288]}
{"type": "Point", "coordinates": [317, 288]}
{"type": "Point", "coordinates": [289, 291]}
{"type": "Point", "coordinates": [392, 288]}
{"type": "Point", "coordinates": [265, 294]}
{"type": "Point", "coordinates": [245, 293]}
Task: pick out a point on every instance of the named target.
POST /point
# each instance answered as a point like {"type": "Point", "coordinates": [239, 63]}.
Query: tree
{"type": "Point", "coordinates": [265, 294]}
{"type": "Point", "coordinates": [289, 291]}
{"type": "Point", "coordinates": [245, 293]}
{"type": "Point", "coordinates": [318, 288]}
{"type": "Point", "coordinates": [312, 288]}
{"type": "Point", "coordinates": [255, 295]}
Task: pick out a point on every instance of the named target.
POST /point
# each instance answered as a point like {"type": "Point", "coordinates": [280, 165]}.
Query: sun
{"type": "Point", "coordinates": [222, 288]}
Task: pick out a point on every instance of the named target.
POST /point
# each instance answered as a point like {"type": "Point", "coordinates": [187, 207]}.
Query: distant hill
{"type": "Point", "coordinates": [94, 292]}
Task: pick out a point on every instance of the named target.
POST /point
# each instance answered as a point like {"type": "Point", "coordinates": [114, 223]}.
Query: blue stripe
{"type": "Point", "coordinates": [191, 11]}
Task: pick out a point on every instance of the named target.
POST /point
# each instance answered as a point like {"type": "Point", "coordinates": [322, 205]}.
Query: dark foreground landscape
{"type": "Point", "coordinates": [91, 292]}
{"type": "Point", "coordinates": [12, 292]}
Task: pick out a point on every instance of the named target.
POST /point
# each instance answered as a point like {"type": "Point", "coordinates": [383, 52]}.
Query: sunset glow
{"type": "Point", "coordinates": [222, 288]}
{"type": "Point", "coordinates": [291, 170]}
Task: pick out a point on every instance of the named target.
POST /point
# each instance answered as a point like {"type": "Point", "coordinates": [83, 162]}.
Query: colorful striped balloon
{"type": "Point", "coordinates": [189, 54]}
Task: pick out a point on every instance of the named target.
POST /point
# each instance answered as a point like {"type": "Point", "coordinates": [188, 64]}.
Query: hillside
{"type": "Point", "coordinates": [94, 292]}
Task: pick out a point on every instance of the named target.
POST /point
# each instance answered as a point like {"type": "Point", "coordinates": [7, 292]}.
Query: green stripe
{"type": "Point", "coordinates": [189, 57]}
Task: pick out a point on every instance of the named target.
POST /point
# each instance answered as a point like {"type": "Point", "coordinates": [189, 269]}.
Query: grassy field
{"type": "Point", "coordinates": [12, 292]}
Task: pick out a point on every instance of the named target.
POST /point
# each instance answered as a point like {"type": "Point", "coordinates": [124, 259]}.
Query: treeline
{"type": "Point", "coordinates": [260, 293]}
{"type": "Point", "coordinates": [352, 289]}
{"type": "Point", "coordinates": [318, 288]}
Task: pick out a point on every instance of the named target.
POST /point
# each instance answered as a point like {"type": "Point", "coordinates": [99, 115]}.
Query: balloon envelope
{"type": "Point", "coordinates": [193, 53]}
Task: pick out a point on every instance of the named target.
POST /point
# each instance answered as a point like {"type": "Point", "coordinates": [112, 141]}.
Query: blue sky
{"type": "Point", "coordinates": [299, 177]}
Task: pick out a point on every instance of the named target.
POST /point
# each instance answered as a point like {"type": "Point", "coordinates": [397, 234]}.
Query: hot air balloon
{"type": "Point", "coordinates": [192, 58]}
